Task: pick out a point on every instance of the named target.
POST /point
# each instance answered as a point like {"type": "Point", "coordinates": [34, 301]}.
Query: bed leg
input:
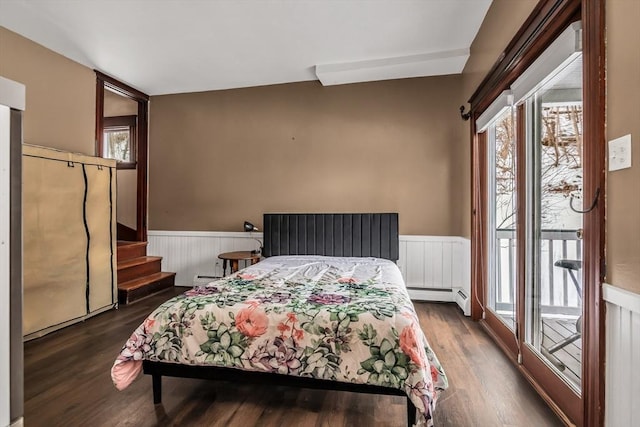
{"type": "Point", "coordinates": [157, 388]}
{"type": "Point", "coordinates": [411, 413]}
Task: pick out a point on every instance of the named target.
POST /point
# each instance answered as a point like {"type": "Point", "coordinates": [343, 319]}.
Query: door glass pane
{"type": "Point", "coordinates": [502, 216]}
{"type": "Point", "coordinates": [554, 230]}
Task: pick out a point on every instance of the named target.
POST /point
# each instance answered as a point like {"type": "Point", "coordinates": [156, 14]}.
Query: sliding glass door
{"type": "Point", "coordinates": [553, 315]}
{"type": "Point", "coordinates": [537, 244]}
{"type": "Point", "coordinates": [533, 225]}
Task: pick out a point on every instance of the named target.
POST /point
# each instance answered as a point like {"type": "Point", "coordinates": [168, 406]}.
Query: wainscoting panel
{"type": "Point", "coordinates": [434, 268]}
{"type": "Point", "coordinates": [623, 353]}
{"type": "Point", "coordinates": [429, 262]}
{"type": "Point", "coordinates": [195, 253]}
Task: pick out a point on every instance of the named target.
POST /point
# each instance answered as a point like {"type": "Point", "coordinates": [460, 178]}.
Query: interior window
{"type": "Point", "coordinates": [119, 140]}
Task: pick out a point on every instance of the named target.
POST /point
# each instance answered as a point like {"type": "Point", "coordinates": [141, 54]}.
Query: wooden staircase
{"type": "Point", "coordinates": [139, 275]}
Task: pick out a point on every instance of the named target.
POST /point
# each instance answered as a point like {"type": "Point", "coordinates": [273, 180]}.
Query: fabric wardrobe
{"type": "Point", "coordinates": [69, 232]}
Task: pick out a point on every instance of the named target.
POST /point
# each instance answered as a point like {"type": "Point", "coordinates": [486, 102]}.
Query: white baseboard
{"type": "Point", "coordinates": [430, 295]}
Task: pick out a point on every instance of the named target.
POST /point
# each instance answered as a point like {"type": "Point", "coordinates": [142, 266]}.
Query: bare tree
{"type": "Point", "coordinates": [560, 164]}
{"type": "Point", "coordinates": [118, 143]}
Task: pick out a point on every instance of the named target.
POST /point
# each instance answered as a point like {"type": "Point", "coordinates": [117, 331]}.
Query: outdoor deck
{"type": "Point", "coordinates": [555, 330]}
{"type": "Point", "coordinates": [559, 299]}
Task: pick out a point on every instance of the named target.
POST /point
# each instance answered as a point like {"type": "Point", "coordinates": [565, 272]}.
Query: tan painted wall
{"type": "Point", "coordinates": [127, 183]}
{"type": "Point", "coordinates": [218, 158]}
{"type": "Point", "coordinates": [502, 22]}
{"type": "Point", "coordinates": [117, 105]}
{"type": "Point", "coordinates": [61, 94]}
{"type": "Point", "coordinates": [623, 117]}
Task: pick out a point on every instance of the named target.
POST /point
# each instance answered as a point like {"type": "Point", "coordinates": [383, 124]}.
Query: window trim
{"type": "Point", "coordinates": [105, 82]}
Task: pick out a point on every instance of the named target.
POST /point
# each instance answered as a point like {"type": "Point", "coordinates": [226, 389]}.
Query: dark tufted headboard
{"type": "Point", "coordinates": [358, 235]}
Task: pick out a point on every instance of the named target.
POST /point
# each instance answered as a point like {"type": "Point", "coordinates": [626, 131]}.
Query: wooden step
{"type": "Point", "coordinates": [129, 250]}
{"type": "Point", "coordinates": [141, 287]}
{"type": "Point", "coordinates": [138, 267]}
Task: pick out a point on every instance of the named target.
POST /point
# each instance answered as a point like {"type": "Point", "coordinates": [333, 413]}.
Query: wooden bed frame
{"type": "Point", "coordinates": [362, 235]}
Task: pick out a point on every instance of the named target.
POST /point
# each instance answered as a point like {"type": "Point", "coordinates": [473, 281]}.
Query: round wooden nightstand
{"type": "Point", "coordinates": [235, 257]}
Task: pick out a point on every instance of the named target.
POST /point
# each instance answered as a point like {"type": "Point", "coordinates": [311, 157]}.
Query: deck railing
{"type": "Point", "coordinates": [558, 294]}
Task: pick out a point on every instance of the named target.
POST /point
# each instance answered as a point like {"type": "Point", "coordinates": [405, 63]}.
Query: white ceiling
{"type": "Point", "coordinates": [175, 46]}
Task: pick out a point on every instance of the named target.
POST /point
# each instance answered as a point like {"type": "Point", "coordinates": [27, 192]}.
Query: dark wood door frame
{"type": "Point", "coordinates": [548, 19]}
{"type": "Point", "coordinates": [103, 82]}
{"type": "Point", "coordinates": [594, 89]}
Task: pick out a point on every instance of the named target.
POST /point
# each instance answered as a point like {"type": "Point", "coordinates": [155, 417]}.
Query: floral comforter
{"type": "Point", "coordinates": [341, 319]}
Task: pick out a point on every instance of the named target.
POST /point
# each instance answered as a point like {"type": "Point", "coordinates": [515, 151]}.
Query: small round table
{"type": "Point", "coordinates": [236, 256]}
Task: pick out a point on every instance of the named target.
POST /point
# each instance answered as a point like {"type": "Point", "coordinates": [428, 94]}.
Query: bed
{"type": "Point", "coordinates": [327, 308]}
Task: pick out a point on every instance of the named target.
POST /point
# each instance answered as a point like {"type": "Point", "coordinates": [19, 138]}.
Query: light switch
{"type": "Point", "coordinates": [620, 153]}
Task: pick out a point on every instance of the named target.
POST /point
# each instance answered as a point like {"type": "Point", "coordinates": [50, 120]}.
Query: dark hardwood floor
{"type": "Point", "coordinates": [67, 383]}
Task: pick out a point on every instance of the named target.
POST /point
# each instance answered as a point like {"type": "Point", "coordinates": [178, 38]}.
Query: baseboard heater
{"type": "Point", "coordinates": [456, 295]}
{"type": "Point", "coordinates": [463, 301]}
{"type": "Point", "coordinates": [199, 280]}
